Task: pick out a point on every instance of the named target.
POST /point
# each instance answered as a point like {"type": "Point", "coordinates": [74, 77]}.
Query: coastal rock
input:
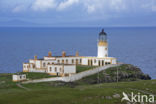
{"type": "Point", "coordinates": [126, 72]}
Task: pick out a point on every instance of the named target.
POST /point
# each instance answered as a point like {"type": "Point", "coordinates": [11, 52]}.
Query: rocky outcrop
{"type": "Point", "coordinates": [125, 72]}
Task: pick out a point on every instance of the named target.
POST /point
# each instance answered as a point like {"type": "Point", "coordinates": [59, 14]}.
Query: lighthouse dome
{"type": "Point", "coordinates": [102, 36]}
{"type": "Point", "coordinates": [102, 32]}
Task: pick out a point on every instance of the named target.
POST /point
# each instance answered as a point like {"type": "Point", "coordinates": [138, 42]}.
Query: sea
{"type": "Point", "coordinates": [130, 45]}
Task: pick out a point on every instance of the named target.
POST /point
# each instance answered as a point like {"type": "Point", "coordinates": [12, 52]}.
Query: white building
{"type": "Point", "coordinates": [61, 69]}
{"type": "Point", "coordinates": [67, 64]}
{"type": "Point", "coordinates": [18, 77]}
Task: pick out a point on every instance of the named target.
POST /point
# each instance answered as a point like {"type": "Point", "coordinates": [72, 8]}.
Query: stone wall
{"type": "Point", "coordinates": [74, 77]}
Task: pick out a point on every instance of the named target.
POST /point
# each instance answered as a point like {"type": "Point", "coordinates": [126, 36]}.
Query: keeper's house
{"type": "Point", "coordinates": [66, 65]}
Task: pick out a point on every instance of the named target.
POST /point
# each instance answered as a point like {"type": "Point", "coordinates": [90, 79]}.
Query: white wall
{"type": "Point", "coordinates": [38, 64]}
{"type": "Point", "coordinates": [19, 77]}
{"type": "Point", "coordinates": [70, 69]}
{"type": "Point", "coordinates": [51, 68]}
{"type": "Point", "coordinates": [37, 70]}
{"type": "Point", "coordinates": [102, 51]}
{"type": "Point", "coordinates": [114, 61]}
{"type": "Point", "coordinates": [65, 69]}
{"type": "Point", "coordinates": [25, 66]}
{"type": "Point", "coordinates": [69, 60]}
{"type": "Point", "coordinates": [84, 61]}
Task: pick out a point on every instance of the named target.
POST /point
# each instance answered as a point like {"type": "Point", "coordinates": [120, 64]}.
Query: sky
{"type": "Point", "coordinates": [77, 13]}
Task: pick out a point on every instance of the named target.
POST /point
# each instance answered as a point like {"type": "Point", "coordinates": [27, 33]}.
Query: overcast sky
{"type": "Point", "coordinates": [78, 12]}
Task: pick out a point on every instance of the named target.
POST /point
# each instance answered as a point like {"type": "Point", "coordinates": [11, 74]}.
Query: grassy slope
{"type": "Point", "coordinates": [37, 75]}
{"type": "Point", "coordinates": [84, 94]}
{"type": "Point", "coordinates": [53, 93]}
{"type": "Point", "coordinates": [126, 73]}
{"type": "Point", "coordinates": [6, 79]}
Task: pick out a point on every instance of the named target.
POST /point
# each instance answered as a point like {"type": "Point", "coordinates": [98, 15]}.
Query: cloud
{"type": "Point", "coordinates": [117, 5]}
{"type": "Point", "coordinates": [66, 4]}
{"type": "Point", "coordinates": [154, 8]}
{"type": "Point", "coordinates": [151, 6]}
{"type": "Point", "coordinates": [19, 8]}
{"type": "Point", "coordinates": [103, 6]}
{"type": "Point", "coordinates": [43, 5]}
{"type": "Point", "coordinates": [90, 8]}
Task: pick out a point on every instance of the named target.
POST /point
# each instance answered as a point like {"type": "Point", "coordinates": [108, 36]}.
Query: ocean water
{"type": "Point", "coordinates": [132, 45]}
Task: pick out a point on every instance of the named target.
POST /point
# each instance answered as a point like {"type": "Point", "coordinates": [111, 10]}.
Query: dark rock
{"type": "Point", "coordinates": [126, 72]}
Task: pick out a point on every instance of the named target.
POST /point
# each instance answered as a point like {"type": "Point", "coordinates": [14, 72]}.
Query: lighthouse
{"type": "Point", "coordinates": [65, 65]}
{"type": "Point", "coordinates": [102, 45]}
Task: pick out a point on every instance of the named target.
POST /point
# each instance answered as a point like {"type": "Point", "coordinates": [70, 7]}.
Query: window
{"type": "Point", "coordinates": [50, 68]}
{"type": "Point", "coordinates": [58, 61]}
{"type": "Point", "coordinates": [77, 61]}
{"type": "Point", "coordinates": [102, 63]}
{"type": "Point", "coordinates": [48, 63]}
{"type": "Point", "coordinates": [105, 48]}
{"type": "Point", "coordinates": [66, 61]}
{"type": "Point", "coordinates": [62, 61]}
{"type": "Point", "coordinates": [80, 61]}
{"type": "Point", "coordinates": [72, 61]}
{"type": "Point", "coordinates": [94, 60]}
{"type": "Point", "coordinates": [20, 77]}
{"type": "Point", "coordinates": [44, 64]}
{"type": "Point", "coordinates": [60, 69]}
{"type": "Point", "coordinates": [33, 65]}
{"type": "Point", "coordinates": [55, 69]}
{"type": "Point", "coordinates": [108, 63]}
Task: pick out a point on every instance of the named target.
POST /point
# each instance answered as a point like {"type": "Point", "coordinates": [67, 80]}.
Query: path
{"type": "Point", "coordinates": [73, 77]}
{"type": "Point", "coordinates": [20, 86]}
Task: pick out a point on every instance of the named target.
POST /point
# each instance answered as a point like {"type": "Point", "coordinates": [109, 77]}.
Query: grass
{"type": "Point", "coordinates": [126, 73]}
{"type": "Point", "coordinates": [6, 79]}
{"type": "Point", "coordinates": [81, 68]}
{"type": "Point", "coordinates": [62, 93]}
{"type": "Point", "coordinates": [83, 94]}
{"type": "Point", "coordinates": [33, 75]}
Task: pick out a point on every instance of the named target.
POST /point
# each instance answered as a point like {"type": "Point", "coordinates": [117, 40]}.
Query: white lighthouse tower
{"type": "Point", "coordinates": [102, 45]}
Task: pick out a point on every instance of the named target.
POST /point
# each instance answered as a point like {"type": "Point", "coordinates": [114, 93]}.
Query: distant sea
{"type": "Point", "coordinates": [131, 45]}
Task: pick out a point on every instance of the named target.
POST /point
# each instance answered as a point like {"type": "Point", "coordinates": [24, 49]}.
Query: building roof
{"type": "Point", "coordinates": [61, 56]}
{"type": "Point", "coordinates": [102, 32]}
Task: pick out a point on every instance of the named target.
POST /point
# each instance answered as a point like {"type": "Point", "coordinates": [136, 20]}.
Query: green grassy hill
{"type": "Point", "coordinates": [47, 93]}
{"type": "Point", "coordinates": [79, 92]}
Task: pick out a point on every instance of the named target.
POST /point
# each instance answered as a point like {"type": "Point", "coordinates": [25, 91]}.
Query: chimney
{"type": "Point", "coordinates": [77, 54]}
{"type": "Point", "coordinates": [49, 54]}
{"type": "Point", "coordinates": [35, 57]}
{"type": "Point", "coordinates": [63, 54]}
